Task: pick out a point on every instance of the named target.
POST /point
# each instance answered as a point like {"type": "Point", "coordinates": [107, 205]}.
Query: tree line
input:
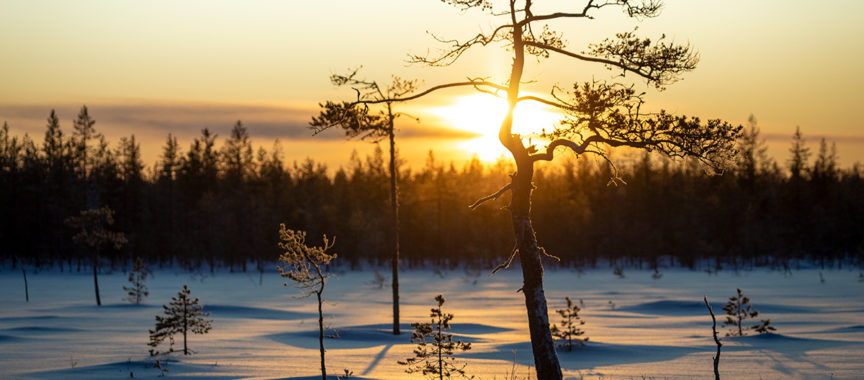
{"type": "Point", "coordinates": [212, 204]}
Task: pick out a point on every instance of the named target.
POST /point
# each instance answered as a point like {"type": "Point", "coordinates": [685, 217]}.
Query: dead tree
{"type": "Point", "coordinates": [600, 115]}
{"type": "Point", "coordinates": [358, 121]}
{"type": "Point", "coordinates": [716, 340]}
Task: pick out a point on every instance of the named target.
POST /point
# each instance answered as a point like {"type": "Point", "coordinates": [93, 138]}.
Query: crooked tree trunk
{"type": "Point", "coordinates": [542, 344]}
{"type": "Point", "coordinates": [394, 209]}
{"type": "Point", "coordinates": [716, 340]}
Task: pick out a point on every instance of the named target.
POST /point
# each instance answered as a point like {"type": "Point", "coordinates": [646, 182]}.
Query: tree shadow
{"type": "Point", "coordinates": [366, 336]}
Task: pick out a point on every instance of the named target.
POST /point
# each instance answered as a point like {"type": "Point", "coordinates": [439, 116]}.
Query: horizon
{"type": "Point", "coordinates": [298, 143]}
{"type": "Point", "coordinates": [181, 67]}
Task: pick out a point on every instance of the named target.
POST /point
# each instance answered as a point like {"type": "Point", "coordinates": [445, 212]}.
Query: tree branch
{"type": "Point", "coordinates": [537, 99]}
{"type": "Point", "coordinates": [506, 264]}
{"type": "Point", "coordinates": [490, 197]}
{"type": "Point", "coordinates": [458, 48]}
{"type": "Point", "coordinates": [619, 64]}
{"type": "Point", "coordinates": [431, 90]}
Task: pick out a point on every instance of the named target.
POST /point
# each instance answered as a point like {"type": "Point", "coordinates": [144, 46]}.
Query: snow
{"type": "Point", "coordinates": [638, 326]}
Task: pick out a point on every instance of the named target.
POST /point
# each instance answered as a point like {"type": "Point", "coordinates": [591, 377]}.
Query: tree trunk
{"type": "Point", "coordinates": [394, 209]}
{"type": "Point", "coordinates": [542, 344]}
{"type": "Point", "coordinates": [321, 336]}
{"type": "Point", "coordinates": [185, 327]}
{"type": "Point", "coordinates": [26, 288]}
{"type": "Point", "coordinates": [716, 340]}
{"type": "Point", "coordinates": [438, 347]}
{"type": "Point", "coordinates": [96, 277]}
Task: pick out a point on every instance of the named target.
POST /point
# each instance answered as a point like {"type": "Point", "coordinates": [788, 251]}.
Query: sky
{"type": "Point", "coordinates": [151, 68]}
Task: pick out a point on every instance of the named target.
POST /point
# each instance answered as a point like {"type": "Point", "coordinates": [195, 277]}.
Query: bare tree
{"type": "Point", "coordinates": [93, 231]}
{"type": "Point", "coordinates": [303, 265]}
{"type": "Point", "coordinates": [600, 115]}
{"type": "Point", "coordinates": [716, 339]}
{"type": "Point", "coordinates": [365, 124]}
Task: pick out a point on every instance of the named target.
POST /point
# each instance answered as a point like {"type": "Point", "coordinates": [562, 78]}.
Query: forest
{"type": "Point", "coordinates": [219, 203]}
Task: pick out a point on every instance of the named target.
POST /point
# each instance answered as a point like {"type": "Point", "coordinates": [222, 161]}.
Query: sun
{"type": "Point", "coordinates": [482, 114]}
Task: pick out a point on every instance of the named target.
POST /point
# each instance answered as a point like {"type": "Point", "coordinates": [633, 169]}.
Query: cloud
{"type": "Point", "coordinates": [186, 120]}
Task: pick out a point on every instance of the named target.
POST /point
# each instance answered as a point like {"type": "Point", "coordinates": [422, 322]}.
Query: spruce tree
{"type": "Point", "coordinates": [433, 356]}
{"type": "Point", "coordinates": [137, 289]}
{"type": "Point", "coordinates": [304, 265]}
{"type": "Point", "coordinates": [739, 309]}
{"type": "Point", "coordinates": [800, 155]}
{"type": "Point", "coordinates": [570, 322]}
{"type": "Point", "coordinates": [182, 316]}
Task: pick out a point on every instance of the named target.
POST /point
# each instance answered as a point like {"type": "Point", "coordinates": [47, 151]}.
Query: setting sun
{"type": "Point", "coordinates": [482, 114]}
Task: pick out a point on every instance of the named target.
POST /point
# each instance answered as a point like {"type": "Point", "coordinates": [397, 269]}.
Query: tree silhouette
{"type": "Point", "coordinates": [599, 115]}
{"type": "Point", "coordinates": [137, 289]}
{"type": "Point", "coordinates": [800, 156]}
{"type": "Point", "coordinates": [93, 231]}
{"type": "Point", "coordinates": [739, 309]}
{"type": "Point", "coordinates": [571, 324]}
{"type": "Point", "coordinates": [357, 122]}
{"type": "Point", "coordinates": [182, 316]}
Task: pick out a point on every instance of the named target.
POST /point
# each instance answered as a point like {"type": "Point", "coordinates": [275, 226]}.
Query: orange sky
{"type": "Point", "coordinates": [155, 67]}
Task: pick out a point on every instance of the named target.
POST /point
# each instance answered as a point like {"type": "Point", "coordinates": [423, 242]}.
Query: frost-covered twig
{"type": "Point", "coordinates": [506, 264]}
{"type": "Point", "coordinates": [490, 197]}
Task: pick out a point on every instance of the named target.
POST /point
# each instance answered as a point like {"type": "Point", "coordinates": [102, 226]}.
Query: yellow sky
{"type": "Point", "coordinates": [153, 67]}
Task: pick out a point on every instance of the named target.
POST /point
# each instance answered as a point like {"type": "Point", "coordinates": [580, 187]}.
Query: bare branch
{"type": "Point", "coordinates": [474, 83]}
{"type": "Point", "coordinates": [560, 105]}
{"type": "Point", "coordinates": [548, 155]}
{"type": "Point", "coordinates": [490, 197]}
{"type": "Point", "coordinates": [447, 57]}
{"type": "Point", "coordinates": [506, 264]}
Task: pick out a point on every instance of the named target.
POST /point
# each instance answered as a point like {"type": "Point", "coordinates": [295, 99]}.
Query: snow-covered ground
{"type": "Point", "coordinates": [639, 326]}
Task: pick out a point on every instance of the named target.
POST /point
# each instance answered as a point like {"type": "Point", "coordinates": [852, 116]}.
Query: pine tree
{"type": "Point", "coordinates": [137, 290]}
{"type": "Point", "coordinates": [570, 322]}
{"type": "Point", "coordinates": [433, 356]}
{"type": "Point", "coordinates": [739, 309]}
{"type": "Point", "coordinates": [360, 123]}
{"type": "Point", "coordinates": [184, 315]}
{"type": "Point", "coordinates": [93, 231]}
{"type": "Point", "coordinates": [304, 266]}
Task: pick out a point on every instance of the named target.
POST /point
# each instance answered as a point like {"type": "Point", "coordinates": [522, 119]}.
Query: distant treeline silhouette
{"type": "Point", "coordinates": [208, 205]}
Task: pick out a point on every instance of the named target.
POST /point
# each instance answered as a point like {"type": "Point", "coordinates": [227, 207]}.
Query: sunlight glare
{"type": "Point", "coordinates": [483, 113]}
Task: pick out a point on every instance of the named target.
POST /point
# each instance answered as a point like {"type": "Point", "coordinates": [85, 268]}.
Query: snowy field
{"type": "Point", "coordinates": [639, 326]}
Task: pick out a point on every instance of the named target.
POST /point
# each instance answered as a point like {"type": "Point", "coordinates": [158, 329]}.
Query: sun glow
{"type": "Point", "coordinates": [482, 114]}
